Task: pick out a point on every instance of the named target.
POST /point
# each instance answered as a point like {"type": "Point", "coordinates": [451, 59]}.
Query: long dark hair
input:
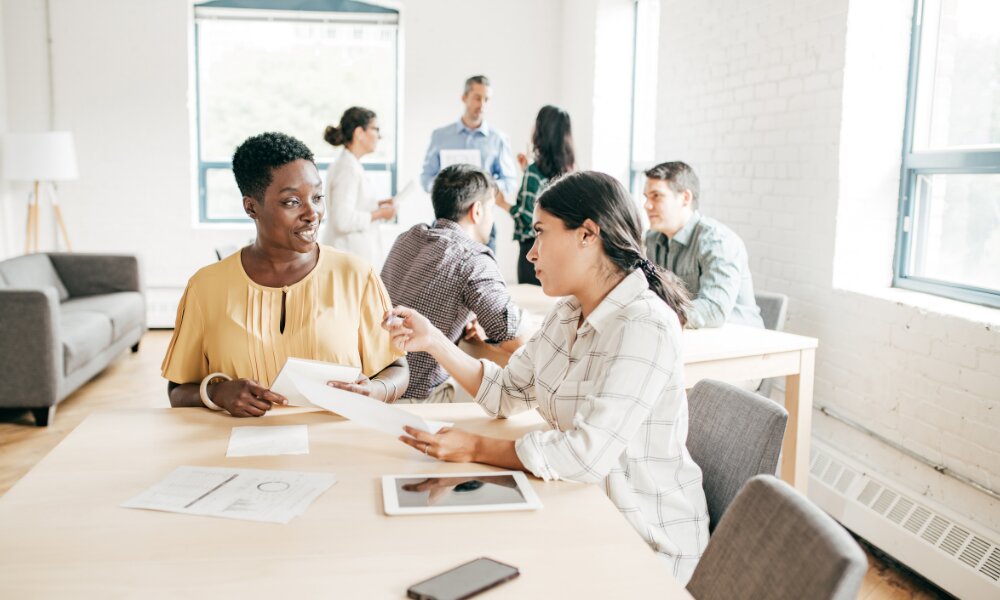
{"type": "Point", "coordinates": [352, 118]}
{"type": "Point", "coordinates": [553, 142]}
{"type": "Point", "coordinates": [600, 198]}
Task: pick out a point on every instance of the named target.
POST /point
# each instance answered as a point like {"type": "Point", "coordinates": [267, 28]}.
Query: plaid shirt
{"type": "Point", "coordinates": [712, 261]}
{"type": "Point", "coordinates": [448, 277]}
{"type": "Point", "coordinates": [523, 209]}
{"type": "Point", "coordinates": [612, 389]}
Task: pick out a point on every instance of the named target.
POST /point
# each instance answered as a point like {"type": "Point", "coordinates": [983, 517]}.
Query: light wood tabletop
{"type": "Point", "coordinates": [63, 533]}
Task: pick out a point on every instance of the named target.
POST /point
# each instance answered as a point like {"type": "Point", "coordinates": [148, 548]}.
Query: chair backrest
{"type": "Point", "coordinates": [733, 435]}
{"type": "Point", "coordinates": [773, 309]}
{"type": "Point", "coordinates": [773, 543]}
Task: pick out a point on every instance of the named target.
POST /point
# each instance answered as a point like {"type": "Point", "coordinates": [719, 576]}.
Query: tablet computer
{"type": "Point", "coordinates": [437, 493]}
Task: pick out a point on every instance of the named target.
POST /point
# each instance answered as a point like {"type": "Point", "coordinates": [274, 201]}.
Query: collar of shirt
{"type": "Point", "coordinates": [683, 236]}
{"type": "Point", "coordinates": [483, 128]}
{"type": "Point", "coordinates": [618, 298]}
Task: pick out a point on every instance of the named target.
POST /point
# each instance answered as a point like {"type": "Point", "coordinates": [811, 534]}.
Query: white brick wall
{"type": "Point", "coordinates": [794, 126]}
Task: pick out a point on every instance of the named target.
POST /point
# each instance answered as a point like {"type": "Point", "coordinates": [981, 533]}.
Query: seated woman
{"type": "Point", "coordinates": [605, 371]}
{"type": "Point", "coordinates": [282, 296]}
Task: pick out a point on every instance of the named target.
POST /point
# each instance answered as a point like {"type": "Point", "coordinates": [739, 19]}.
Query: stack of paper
{"type": "Point", "coordinates": [248, 494]}
{"type": "Point", "coordinates": [269, 440]}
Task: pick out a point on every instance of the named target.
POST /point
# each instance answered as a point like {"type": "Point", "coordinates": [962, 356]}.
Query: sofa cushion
{"type": "Point", "coordinates": [126, 310]}
{"type": "Point", "coordinates": [84, 336]}
{"type": "Point", "coordinates": [32, 272]}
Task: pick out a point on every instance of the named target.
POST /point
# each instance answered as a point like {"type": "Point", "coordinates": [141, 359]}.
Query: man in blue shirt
{"type": "Point", "coordinates": [474, 140]}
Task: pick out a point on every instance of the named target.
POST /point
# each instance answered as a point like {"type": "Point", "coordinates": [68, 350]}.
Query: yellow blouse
{"type": "Point", "coordinates": [228, 323]}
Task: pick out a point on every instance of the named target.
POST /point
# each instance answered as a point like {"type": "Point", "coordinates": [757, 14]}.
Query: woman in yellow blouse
{"type": "Point", "coordinates": [282, 296]}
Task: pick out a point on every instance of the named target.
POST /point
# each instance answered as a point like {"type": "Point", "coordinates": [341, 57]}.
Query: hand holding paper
{"type": "Point", "coordinates": [362, 409]}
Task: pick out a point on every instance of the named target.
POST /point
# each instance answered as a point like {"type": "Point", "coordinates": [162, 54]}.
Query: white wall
{"type": "Point", "coordinates": [803, 162]}
{"type": "Point", "coordinates": [122, 85]}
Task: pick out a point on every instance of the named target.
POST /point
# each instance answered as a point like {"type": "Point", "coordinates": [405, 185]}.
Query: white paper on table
{"type": "Point", "coordinates": [248, 494]}
{"type": "Point", "coordinates": [364, 410]}
{"type": "Point", "coordinates": [465, 156]}
{"type": "Point", "coordinates": [409, 191]}
{"type": "Point", "coordinates": [312, 370]}
{"type": "Point", "coordinates": [268, 440]}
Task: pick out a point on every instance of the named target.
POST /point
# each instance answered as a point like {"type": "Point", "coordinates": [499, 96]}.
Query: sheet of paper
{"type": "Point", "coordinates": [268, 440]}
{"type": "Point", "coordinates": [465, 156]}
{"type": "Point", "coordinates": [409, 191]}
{"type": "Point", "coordinates": [313, 370]}
{"type": "Point", "coordinates": [364, 410]}
{"type": "Point", "coordinates": [248, 494]}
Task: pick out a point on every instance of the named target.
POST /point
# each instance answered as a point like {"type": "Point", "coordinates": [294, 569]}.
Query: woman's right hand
{"type": "Point", "coordinates": [522, 161]}
{"type": "Point", "coordinates": [410, 330]}
{"type": "Point", "coordinates": [244, 397]}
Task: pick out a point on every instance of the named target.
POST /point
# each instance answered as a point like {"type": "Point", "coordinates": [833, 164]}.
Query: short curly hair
{"type": "Point", "coordinates": [258, 155]}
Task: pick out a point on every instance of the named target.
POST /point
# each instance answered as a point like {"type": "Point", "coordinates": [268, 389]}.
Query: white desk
{"type": "Point", "coordinates": [731, 353]}
{"type": "Point", "coordinates": [62, 533]}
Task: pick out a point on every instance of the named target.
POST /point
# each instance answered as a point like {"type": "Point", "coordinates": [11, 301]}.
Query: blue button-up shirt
{"type": "Point", "coordinates": [493, 146]}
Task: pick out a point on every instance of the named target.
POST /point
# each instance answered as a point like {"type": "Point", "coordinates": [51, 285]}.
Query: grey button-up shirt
{"type": "Point", "coordinates": [712, 262]}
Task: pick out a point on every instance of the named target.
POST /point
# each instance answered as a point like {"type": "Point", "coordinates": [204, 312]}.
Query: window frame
{"type": "Point", "coordinates": [204, 166]}
{"type": "Point", "coordinates": [963, 160]}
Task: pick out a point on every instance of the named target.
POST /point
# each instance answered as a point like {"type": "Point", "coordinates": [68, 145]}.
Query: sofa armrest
{"type": "Point", "coordinates": [31, 354]}
{"type": "Point", "coordinates": [92, 274]}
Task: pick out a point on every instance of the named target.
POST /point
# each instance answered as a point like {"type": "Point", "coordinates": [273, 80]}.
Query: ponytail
{"type": "Point", "coordinates": [668, 287]}
{"type": "Point", "coordinates": [334, 135]}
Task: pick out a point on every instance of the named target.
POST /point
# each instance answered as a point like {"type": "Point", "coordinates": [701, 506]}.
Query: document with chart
{"type": "Point", "coordinates": [248, 494]}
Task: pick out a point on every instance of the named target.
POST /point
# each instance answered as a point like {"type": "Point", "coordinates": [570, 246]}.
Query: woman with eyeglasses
{"type": "Point", "coordinates": [350, 204]}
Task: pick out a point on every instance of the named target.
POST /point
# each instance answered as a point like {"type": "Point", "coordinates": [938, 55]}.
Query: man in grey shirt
{"type": "Point", "coordinates": [708, 256]}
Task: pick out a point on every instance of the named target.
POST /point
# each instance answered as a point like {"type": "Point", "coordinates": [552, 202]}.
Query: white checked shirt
{"type": "Point", "coordinates": [613, 391]}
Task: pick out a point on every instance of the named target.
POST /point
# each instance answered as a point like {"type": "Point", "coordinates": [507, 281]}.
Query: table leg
{"type": "Point", "coordinates": [798, 403]}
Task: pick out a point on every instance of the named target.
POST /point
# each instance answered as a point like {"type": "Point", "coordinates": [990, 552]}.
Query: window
{"type": "Point", "coordinates": [293, 71]}
{"type": "Point", "coordinates": [949, 219]}
{"type": "Point", "coordinates": [642, 148]}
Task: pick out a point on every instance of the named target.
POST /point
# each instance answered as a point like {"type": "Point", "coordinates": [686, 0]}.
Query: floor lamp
{"type": "Point", "coordinates": [41, 158]}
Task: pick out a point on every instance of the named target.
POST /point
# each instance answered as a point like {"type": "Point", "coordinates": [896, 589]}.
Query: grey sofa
{"type": "Point", "coordinates": [63, 319]}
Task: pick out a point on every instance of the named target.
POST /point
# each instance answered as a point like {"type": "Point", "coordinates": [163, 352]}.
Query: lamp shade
{"type": "Point", "coordinates": [45, 156]}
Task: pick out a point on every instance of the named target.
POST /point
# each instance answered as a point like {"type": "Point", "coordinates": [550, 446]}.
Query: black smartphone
{"type": "Point", "coordinates": [464, 581]}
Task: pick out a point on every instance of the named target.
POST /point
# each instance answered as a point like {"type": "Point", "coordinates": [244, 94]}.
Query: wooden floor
{"type": "Point", "coordinates": [134, 381]}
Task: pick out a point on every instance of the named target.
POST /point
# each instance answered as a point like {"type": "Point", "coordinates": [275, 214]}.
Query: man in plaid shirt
{"type": "Point", "coordinates": [446, 272]}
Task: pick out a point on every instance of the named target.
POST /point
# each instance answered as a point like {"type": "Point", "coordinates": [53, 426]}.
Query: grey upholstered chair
{"type": "Point", "coordinates": [773, 310]}
{"type": "Point", "coordinates": [733, 435]}
{"type": "Point", "coordinates": [773, 543]}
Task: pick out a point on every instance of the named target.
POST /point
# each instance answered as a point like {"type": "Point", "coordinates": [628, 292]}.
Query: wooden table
{"type": "Point", "coordinates": [63, 534]}
{"type": "Point", "coordinates": [730, 353]}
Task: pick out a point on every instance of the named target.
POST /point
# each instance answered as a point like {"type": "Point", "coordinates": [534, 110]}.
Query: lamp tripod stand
{"type": "Point", "coordinates": [31, 237]}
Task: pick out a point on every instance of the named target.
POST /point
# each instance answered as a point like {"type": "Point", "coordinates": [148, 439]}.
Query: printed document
{"type": "Point", "coordinates": [248, 494]}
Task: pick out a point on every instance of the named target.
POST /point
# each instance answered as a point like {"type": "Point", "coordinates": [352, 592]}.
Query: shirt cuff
{"type": "Point", "coordinates": [529, 451]}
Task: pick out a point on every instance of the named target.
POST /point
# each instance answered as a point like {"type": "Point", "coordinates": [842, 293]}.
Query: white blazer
{"type": "Point", "coordinates": [349, 204]}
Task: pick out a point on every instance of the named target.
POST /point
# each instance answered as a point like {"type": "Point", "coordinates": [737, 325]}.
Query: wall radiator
{"type": "Point", "coordinates": [960, 557]}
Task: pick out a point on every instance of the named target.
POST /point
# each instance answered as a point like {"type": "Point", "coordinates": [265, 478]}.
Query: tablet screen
{"type": "Point", "coordinates": [418, 492]}
{"type": "Point", "coordinates": [430, 493]}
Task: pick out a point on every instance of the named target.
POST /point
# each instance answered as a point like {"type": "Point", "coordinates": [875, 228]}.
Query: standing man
{"type": "Point", "coordinates": [708, 256]}
{"type": "Point", "coordinates": [472, 141]}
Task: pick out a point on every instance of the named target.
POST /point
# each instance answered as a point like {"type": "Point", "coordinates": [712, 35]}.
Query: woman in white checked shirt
{"type": "Point", "coordinates": [605, 371]}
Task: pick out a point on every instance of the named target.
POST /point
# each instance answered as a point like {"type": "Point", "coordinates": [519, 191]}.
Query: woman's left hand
{"type": "Point", "coordinates": [362, 385]}
{"type": "Point", "coordinates": [452, 445]}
